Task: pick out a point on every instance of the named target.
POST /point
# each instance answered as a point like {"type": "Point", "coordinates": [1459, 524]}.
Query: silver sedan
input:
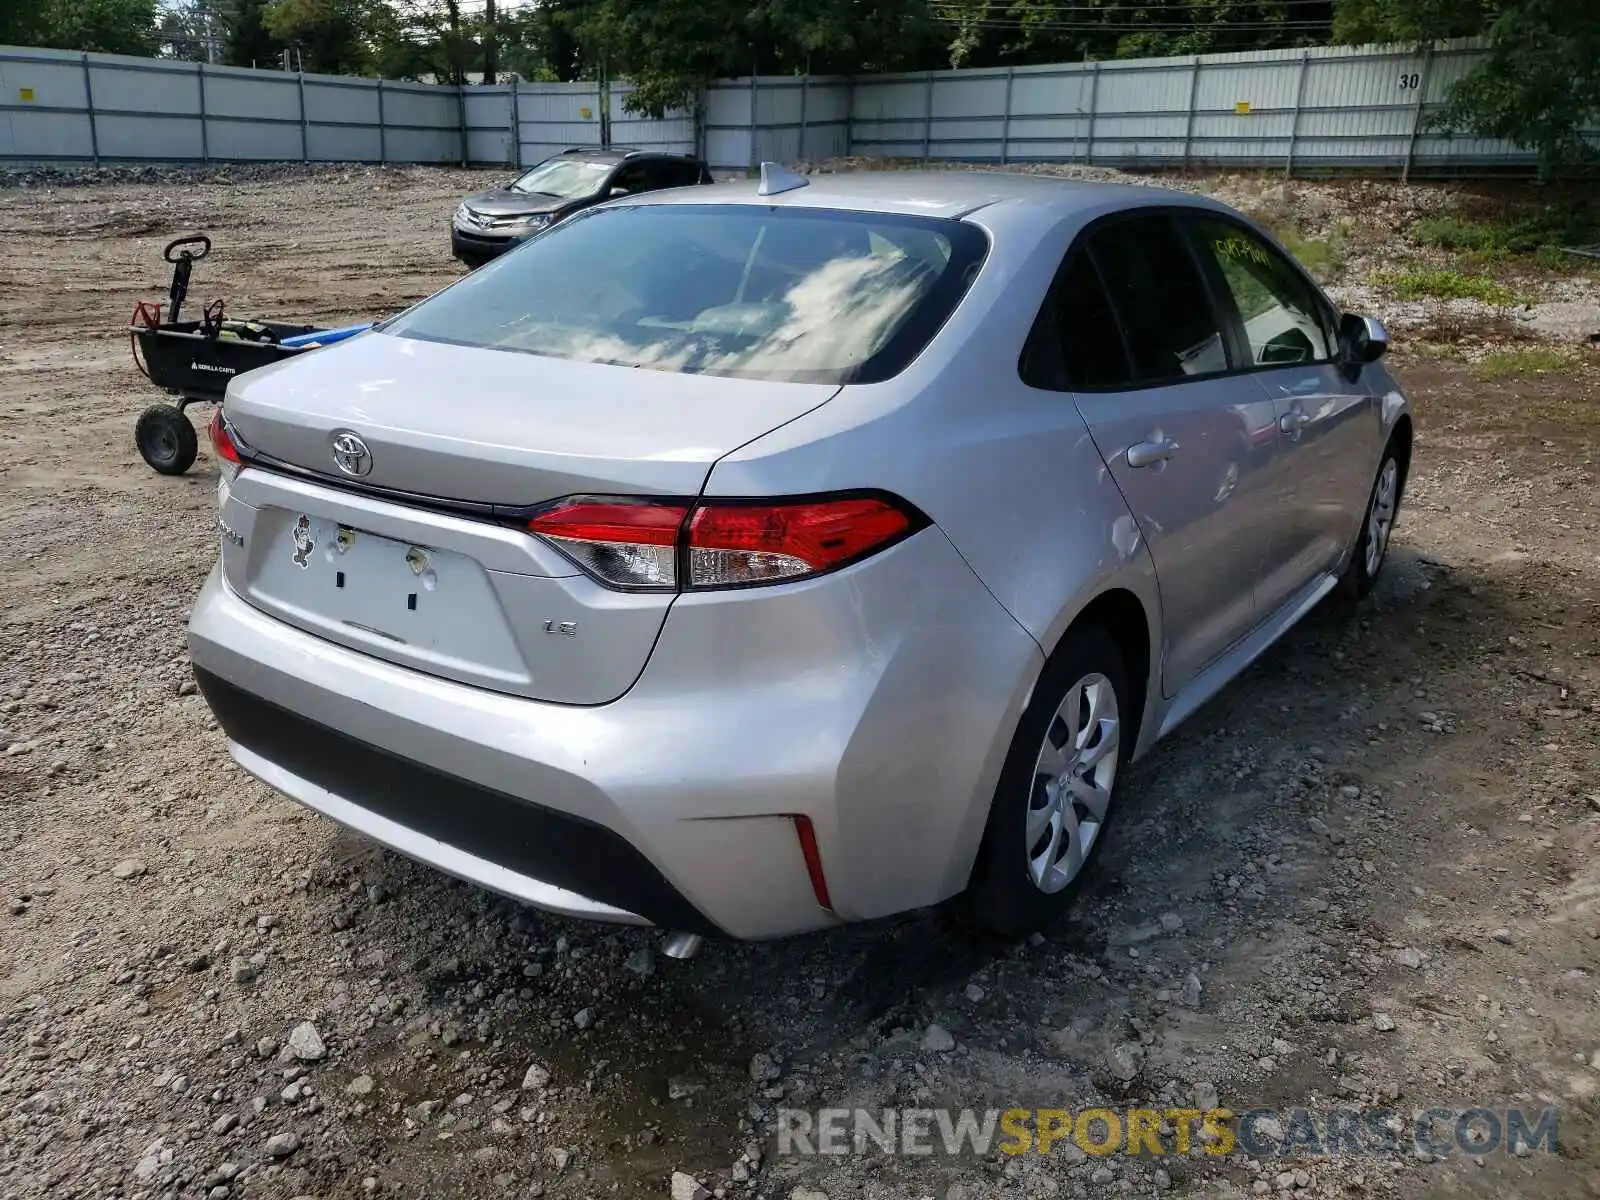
{"type": "Point", "coordinates": [751, 559]}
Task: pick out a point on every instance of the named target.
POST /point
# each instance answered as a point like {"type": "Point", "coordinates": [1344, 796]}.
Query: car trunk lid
{"type": "Point", "coordinates": [427, 566]}
{"type": "Point", "coordinates": [503, 427]}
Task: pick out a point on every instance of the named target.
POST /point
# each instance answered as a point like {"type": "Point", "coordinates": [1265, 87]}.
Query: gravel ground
{"type": "Point", "coordinates": [1367, 874]}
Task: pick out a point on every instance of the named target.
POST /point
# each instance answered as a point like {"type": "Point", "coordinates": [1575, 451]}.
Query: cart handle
{"type": "Point", "coordinates": [200, 240]}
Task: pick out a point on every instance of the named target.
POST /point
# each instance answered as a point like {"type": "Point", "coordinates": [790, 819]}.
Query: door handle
{"type": "Point", "coordinates": [1148, 454]}
{"type": "Point", "coordinates": [1292, 423]}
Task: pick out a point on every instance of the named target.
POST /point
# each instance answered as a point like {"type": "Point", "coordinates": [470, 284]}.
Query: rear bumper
{"type": "Point", "coordinates": [551, 859]}
{"type": "Point", "coordinates": [877, 701]}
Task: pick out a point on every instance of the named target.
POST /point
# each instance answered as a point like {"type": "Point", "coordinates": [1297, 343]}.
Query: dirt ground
{"type": "Point", "coordinates": [1367, 875]}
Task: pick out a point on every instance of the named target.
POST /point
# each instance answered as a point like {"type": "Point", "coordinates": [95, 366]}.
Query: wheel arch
{"type": "Point", "coordinates": [1129, 609]}
{"type": "Point", "coordinates": [1401, 438]}
{"type": "Point", "coordinates": [1122, 615]}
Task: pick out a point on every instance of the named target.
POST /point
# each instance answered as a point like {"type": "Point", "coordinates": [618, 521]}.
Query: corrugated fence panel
{"type": "Point", "coordinates": [54, 79]}
{"type": "Point", "coordinates": [160, 138]}
{"type": "Point", "coordinates": [968, 115]}
{"type": "Point", "coordinates": [672, 134]}
{"type": "Point", "coordinates": [43, 107]}
{"type": "Point", "coordinates": [1135, 88]}
{"type": "Point", "coordinates": [778, 103]}
{"type": "Point", "coordinates": [344, 102]}
{"type": "Point", "coordinates": [826, 131]}
{"type": "Point", "coordinates": [490, 114]}
{"type": "Point", "coordinates": [422, 107]}
{"type": "Point", "coordinates": [235, 92]}
{"type": "Point", "coordinates": [553, 116]}
{"type": "Point", "coordinates": [890, 116]}
{"type": "Point", "coordinates": [134, 85]}
{"type": "Point", "coordinates": [252, 141]}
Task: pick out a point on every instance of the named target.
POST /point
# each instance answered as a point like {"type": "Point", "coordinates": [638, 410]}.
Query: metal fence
{"type": "Point", "coordinates": [57, 106]}
{"type": "Point", "coordinates": [1367, 108]}
{"type": "Point", "coordinates": [1362, 107]}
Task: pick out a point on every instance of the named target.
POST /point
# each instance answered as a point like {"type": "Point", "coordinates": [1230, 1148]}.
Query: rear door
{"type": "Point", "coordinates": [1189, 444]}
{"type": "Point", "coordinates": [1328, 422]}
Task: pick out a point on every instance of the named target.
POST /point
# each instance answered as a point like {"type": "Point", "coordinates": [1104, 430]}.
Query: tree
{"type": "Point", "coordinates": [21, 24]}
{"type": "Point", "coordinates": [1539, 85]}
{"type": "Point", "coordinates": [329, 33]}
{"type": "Point", "coordinates": [491, 43]}
{"type": "Point", "coordinates": [1364, 21]}
{"type": "Point", "coordinates": [993, 32]}
{"type": "Point", "coordinates": [548, 41]}
{"type": "Point", "coordinates": [248, 42]}
{"type": "Point", "coordinates": [671, 48]}
{"type": "Point", "coordinates": [106, 26]}
{"type": "Point", "coordinates": [188, 31]}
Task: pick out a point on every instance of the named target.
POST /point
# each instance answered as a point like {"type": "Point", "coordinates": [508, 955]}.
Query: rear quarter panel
{"type": "Point", "coordinates": [1009, 473]}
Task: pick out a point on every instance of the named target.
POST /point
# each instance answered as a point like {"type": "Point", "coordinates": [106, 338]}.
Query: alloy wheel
{"type": "Point", "coordinates": [1072, 781]}
{"type": "Point", "coordinates": [1380, 520]}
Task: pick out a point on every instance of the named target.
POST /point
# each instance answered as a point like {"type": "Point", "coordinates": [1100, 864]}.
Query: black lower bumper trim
{"type": "Point", "coordinates": [475, 251]}
{"type": "Point", "coordinates": [553, 847]}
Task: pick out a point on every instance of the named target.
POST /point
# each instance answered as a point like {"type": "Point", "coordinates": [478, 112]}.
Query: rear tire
{"type": "Point", "coordinates": [166, 439]}
{"type": "Point", "coordinates": [1371, 550]}
{"type": "Point", "coordinates": [1057, 788]}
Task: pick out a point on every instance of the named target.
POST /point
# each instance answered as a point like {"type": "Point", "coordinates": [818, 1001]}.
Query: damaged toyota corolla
{"type": "Point", "coordinates": [751, 559]}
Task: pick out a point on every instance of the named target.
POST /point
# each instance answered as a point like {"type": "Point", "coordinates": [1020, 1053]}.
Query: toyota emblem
{"type": "Point", "coordinates": [350, 454]}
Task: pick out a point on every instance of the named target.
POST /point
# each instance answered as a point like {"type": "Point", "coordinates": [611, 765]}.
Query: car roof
{"type": "Point", "coordinates": [1010, 195]}
{"type": "Point", "coordinates": [617, 154]}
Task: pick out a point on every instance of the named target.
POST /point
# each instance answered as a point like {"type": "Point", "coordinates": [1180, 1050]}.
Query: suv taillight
{"type": "Point", "coordinates": [673, 546]}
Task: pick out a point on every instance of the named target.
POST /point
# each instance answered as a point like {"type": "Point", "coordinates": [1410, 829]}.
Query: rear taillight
{"type": "Point", "coordinates": [735, 544]}
{"type": "Point", "coordinates": [625, 544]}
{"type": "Point", "coordinates": [668, 546]}
{"type": "Point", "coordinates": [223, 446]}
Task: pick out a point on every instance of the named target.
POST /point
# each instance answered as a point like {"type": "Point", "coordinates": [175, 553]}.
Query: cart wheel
{"type": "Point", "coordinates": [166, 439]}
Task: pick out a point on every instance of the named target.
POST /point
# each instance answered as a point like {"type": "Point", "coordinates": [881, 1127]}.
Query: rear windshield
{"type": "Point", "coordinates": [814, 296]}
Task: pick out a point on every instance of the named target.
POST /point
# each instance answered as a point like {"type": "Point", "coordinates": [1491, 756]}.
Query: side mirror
{"type": "Point", "coordinates": [1362, 340]}
{"type": "Point", "coordinates": [616, 190]}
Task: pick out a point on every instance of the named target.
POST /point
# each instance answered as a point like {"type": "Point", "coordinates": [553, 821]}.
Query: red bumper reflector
{"type": "Point", "coordinates": [813, 857]}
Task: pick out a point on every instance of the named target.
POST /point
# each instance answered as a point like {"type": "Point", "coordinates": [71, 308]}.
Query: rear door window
{"type": "Point", "coordinates": [1168, 323]}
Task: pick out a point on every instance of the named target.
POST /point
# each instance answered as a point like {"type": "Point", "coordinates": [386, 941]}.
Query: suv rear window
{"type": "Point", "coordinates": [810, 295]}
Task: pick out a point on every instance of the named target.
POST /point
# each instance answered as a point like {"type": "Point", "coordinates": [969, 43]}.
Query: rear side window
{"type": "Point", "coordinates": [1077, 342]}
{"type": "Point", "coordinates": [664, 173]}
{"type": "Point", "coordinates": [1281, 314]}
{"type": "Point", "coordinates": [682, 174]}
{"type": "Point", "coordinates": [1165, 313]}
{"type": "Point", "coordinates": [810, 295]}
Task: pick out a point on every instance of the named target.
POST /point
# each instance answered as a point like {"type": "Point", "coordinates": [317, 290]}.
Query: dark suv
{"type": "Point", "coordinates": [490, 223]}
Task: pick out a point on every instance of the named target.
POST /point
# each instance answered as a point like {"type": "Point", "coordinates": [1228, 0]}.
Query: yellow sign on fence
{"type": "Point", "coordinates": [586, 112]}
{"type": "Point", "coordinates": [25, 94]}
{"type": "Point", "coordinates": [1242, 107]}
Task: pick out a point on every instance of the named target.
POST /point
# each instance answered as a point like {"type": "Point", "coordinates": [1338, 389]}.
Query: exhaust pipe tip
{"type": "Point", "coordinates": [682, 946]}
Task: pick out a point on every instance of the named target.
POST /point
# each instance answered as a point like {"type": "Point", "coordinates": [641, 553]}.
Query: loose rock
{"type": "Point", "coordinates": [305, 1043]}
